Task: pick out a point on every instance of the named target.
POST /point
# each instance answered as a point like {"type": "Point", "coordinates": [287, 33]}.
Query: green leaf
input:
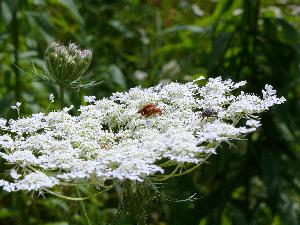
{"type": "Point", "coordinates": [191, 28]}
{"type": "Point", "coordinates": [285, 131]}
{"type": "Point", "coordinates": [4, 102]}
{"type": "Point", "coordinates": [60, 204]}
{"type": "Point", "coordinates": [72, 7]}
{"type": "Point", "coordinates": [219, 48]}
{"type": "Point", "coordinates": [222, 7]}
{"type": "Point", "coordinates": [57, 223]}
{"type": "Point", "coordinates": [6, 12]}
{"type": "Point", "coordinates": [28, 54]}
{"type": "Point", "coordinates": [5, 213]}
{"type": "Point", "coordinates": [288, 30]}
{"type": "Point", "coordinates": [121, 28]}
{"type": "Point", "coordinates": [41, 24]}
{"type": "Point", "coordinates": [117, 76]}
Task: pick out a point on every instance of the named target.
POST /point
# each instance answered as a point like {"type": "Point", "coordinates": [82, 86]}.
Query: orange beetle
{"type": "Point", "coordinates": [149, 110]}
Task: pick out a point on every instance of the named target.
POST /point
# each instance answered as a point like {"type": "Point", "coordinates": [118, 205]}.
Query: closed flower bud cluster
{"type": "Point", "coordinates": [66, 64]}
{"type": "Point", "coordinates": [129, 136]}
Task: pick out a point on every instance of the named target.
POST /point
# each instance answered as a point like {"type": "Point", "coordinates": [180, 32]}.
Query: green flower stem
{"type": "Point", "coordinates": [61, 95]}
{"type": "Point", "coordinates": [76, 199]}
{"type": "Point", "coordinates": [83, 207]}
{"type": "Point", "coordinates": [170, 175]}
{"type": "Point", "coordinates": [15, 38]}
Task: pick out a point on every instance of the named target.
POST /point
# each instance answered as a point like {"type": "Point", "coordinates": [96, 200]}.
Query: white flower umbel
{"type": "Point", "coordinates": [132, 135]}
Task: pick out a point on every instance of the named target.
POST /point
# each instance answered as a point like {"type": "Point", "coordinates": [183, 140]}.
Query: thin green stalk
{"type": "Point", "coordinates": [61, 95]}
{"type": "Point", "coordinates": [83, 207]}
{"type": "Point", "coordinates": [170, 175]}
{"type": "Point", "coordinates": [158, 24]}
{"type": "Point", "coordinates": [76, 199]}
{"type": "Point", "coordinates": [15, 39]}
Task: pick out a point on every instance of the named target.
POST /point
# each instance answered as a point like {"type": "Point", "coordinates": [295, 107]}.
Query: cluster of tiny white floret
{"type": "Point", "coordinates": [130, 135]}
{"type": "Point", "coordinates": [51, 98]}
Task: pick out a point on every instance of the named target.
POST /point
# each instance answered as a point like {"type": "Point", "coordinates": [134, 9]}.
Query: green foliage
{"type": "Point", "coordinates": [143, 42]}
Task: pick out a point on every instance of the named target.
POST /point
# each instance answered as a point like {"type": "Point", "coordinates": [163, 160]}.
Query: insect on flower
{"type": "Point", "coordinates": [149, 110]}
{"type": "Point", "coordinates": [208, 113]}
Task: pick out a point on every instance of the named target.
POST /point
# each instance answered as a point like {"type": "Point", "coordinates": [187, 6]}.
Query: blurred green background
{"type": "Point", "coordinates": [144, 42]}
